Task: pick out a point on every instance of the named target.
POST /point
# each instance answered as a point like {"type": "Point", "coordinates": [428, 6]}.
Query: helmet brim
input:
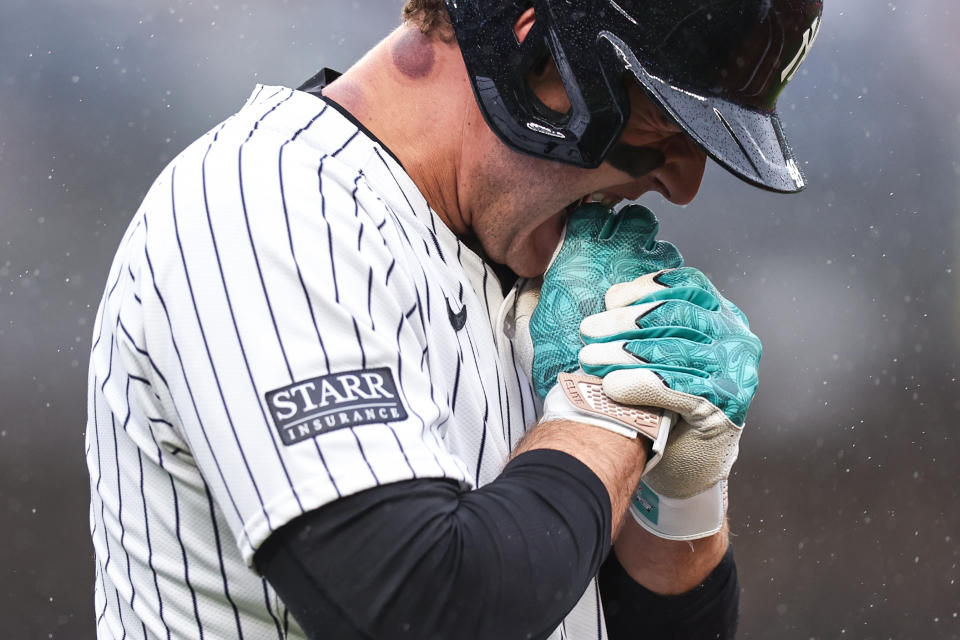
{"type": "Point", "coordinates": [748, 143]}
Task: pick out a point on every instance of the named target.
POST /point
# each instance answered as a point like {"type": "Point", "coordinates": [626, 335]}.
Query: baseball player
{"type": "Point", "coordinates": [378, 358]}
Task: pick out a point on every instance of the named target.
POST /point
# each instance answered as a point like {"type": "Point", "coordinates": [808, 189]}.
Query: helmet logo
{"type": "Point", "coordinates": [808, 38]}
{"type": "Point", "coordinates": [539, 128]}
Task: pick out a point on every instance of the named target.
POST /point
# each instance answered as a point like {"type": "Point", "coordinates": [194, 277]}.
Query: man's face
{"type": "Point", "coordinates": [518, 204]}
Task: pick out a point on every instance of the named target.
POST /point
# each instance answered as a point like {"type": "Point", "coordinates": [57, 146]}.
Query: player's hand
{"type": "Point", "coordinates": [671, 340]}
{"type": "Point", "coordinates": [600, 248]}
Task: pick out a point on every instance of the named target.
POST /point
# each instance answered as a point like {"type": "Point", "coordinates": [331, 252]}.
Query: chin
{"type": "Point", "coordinates": [531, 263]}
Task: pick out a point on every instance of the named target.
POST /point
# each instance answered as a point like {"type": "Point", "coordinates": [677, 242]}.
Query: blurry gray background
{"type": "Point", "coordinates": [845, 499]}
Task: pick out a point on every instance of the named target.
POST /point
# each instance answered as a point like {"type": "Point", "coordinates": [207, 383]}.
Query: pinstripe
{"type": "Point", "coordinates": [143, 352]}
{"type": "Point", "coordinates": [393, 215]}
{"type": "Point", "coordinates": [500, 386]}
{"type": "Point", "coordinates": [213, 368]}
{"type": "Point", "coordinates": [116, 593]}
{"type": "Point", "coordinates": [486, 412]}
{"type": "Point", "coordinates": [523, 407]}
{"type": "Point", "coordinates": [352, 137]}
{"type": "Point", "coordinates": [423, 424]}
{"type": "Point", "coordinates": [273, 616]}
{"type": "Point", "coordinates": [426, 288]}
{"type": "Point", "coordinates": [223, 569]}
{"type": "Point", "coordinates": [186, 381]}
{"type": "Point", "coordinates": [373, 325]}
{"type": "Point", "coordinates": [505, 414]}
{"type": "Point", "coordinates": [146, 527]}
{"type": "Point", "coordinates": [123, 530]}
{"type": "Point", "coordinates": [363, 454]}
{"type": "Point", "coordinates": [456, 377]}
{"type": "Point", "coordinates": [186, 562]}
{"type": "Point", "coordinates": [363, 354]}
{"type": "Point", "coordinates": [323, 212]}
{"type": "Point", "coordinates": [386, 281]}
{"type": "Point", "coordinates": [434, 429]}
{"type": "Point", "coordinates": [110, 367]}
{"type": "Point", "coordinates": [106, 537]}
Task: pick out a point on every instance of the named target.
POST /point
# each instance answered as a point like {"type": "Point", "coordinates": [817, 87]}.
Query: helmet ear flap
{"type": "Point", "coordinates": [499, 64]}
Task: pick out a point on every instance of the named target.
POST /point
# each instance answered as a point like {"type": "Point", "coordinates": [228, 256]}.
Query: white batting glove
{"type": "Point", "coordinates": [670, 340]}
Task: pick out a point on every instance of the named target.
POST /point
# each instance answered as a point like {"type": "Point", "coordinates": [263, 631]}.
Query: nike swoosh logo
{"type": "Point", "coordinates": [459, 319]}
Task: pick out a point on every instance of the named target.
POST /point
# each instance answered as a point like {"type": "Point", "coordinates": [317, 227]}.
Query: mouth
{"type": "Point", "coordinates": [606, 199]}
{"type": "Point", "coordinates": [546, 237]}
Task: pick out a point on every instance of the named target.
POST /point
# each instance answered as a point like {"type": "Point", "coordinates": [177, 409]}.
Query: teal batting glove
{"type": "Point", "coordinates": [600, 248]}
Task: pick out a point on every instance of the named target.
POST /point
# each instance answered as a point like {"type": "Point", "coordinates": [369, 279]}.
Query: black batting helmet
{"type": "Point", "coordinates": [715, 66]}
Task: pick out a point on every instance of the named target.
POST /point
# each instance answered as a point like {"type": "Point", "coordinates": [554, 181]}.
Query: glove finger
{"type": "Point", "coordinates": [629, 247]}
{"type": "Point", "coordinates": [682, 313]}
{"type": "Point", "coordinates": [635, 223]}
{"type": "Point", "coordinates": [625, 294]}
{"type": "Point", "coordinates": [657, 286]}
{"type": "Point", "coordinates": [644, 385]}
{"type": "Point", "coordinates": [690, 284]}
{"type": "Point", "coordinates": [601, 358]}
{"type": "Point", "coordinates": [631, 333]}
{"type": "Point", "coordinates": [614, 323]}
{"type": "Point", "coordinates": [732, 397]}
{"type": "Point", "coordinates": [693, 357]}
{"type": "Point", "coordinates": [588, 221]}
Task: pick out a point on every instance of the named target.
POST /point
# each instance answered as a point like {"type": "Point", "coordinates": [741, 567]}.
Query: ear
{"type": "Point", "coordinates": [524, 23]}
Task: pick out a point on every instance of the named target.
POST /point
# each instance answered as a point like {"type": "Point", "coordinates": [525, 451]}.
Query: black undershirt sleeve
{"type": "Point", "coordinates": [708, 612]}
{"type": "Point", "coordinates": [424, 559]}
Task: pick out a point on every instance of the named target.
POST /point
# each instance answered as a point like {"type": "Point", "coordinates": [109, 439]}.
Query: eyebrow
{"type": "Point", "coordinates": [635, 161]}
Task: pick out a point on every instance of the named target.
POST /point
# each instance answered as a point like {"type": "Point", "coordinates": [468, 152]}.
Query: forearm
{"type": "Point", "coordinates": [508, 559]}
{"type": "Point", "coordinates": [616, 460]}
{"type": "Point", "coordinates": [668, 567]}
{"type": "Point", "coordinates": [663, 566]}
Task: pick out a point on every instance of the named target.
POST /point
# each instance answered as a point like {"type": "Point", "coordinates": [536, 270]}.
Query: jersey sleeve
{"type": "Point", "coordinates": [287, 330]}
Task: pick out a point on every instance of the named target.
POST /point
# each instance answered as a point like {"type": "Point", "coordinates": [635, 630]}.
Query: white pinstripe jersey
{"type": "Point", "coordinates": [280, 329]}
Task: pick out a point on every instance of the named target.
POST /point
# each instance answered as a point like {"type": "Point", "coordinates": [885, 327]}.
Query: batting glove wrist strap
{"type": "Point", "coordinates": [580, 398]}
{"type": "Point", "coordinates": [691, 518]}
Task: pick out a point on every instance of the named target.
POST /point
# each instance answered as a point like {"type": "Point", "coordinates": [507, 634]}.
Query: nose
{"type": "Point", "coordinates": [681, 173]}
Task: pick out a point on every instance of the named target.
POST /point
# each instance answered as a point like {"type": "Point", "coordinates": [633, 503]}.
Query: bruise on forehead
{"type": "Point", "coordinates": [413, 54]}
